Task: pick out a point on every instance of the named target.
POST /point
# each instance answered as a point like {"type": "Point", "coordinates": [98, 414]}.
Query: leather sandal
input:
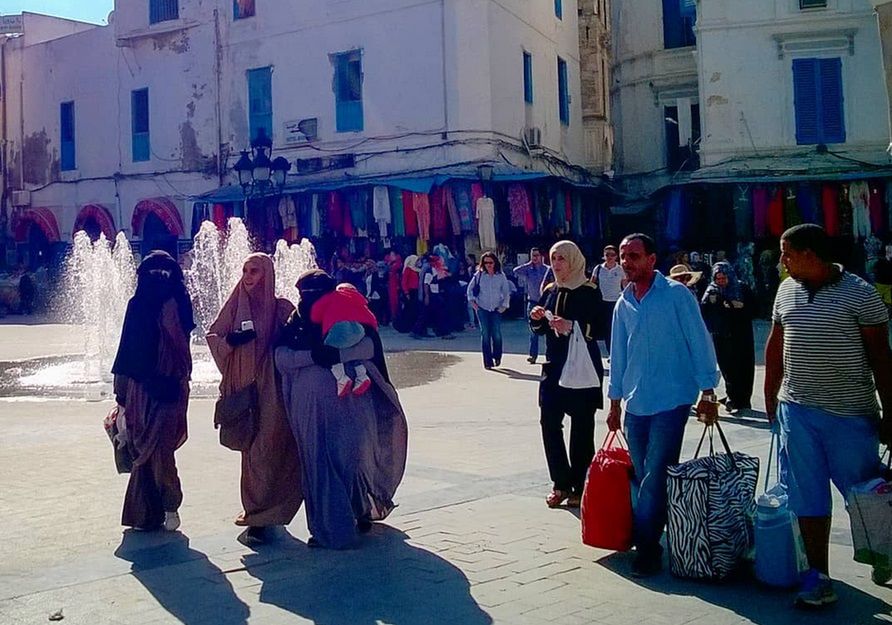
{"type": "Point", "coordinates": [574, 501]}
{"type": "Point", "coordinates": [556, 498]}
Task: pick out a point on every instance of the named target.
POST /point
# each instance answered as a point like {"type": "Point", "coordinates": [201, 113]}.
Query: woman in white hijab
{"type": "Point", "coordinates": [571, 297]}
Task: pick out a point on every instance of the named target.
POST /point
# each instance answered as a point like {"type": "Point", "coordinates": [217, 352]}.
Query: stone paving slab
{"type": "Point", "coordinates": [471, 543]}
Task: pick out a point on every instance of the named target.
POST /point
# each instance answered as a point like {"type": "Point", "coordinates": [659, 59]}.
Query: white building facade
{"type": "Point", "coordinates": [727, 112]}
{"type": "Point", "coordinates": [126, 126]}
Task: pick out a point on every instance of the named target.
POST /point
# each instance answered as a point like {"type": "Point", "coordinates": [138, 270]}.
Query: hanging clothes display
{"type": "Point", "coordinates": [334, 214]}
{"type": "Point", "coordinates": [381, 209]}
{"type": "Point", "coordinates": [410, 218]}
{"type": "Point", "coordinates": [396, 212]}
{"type": "Point", "coordinates": [876, 208]}
{"type": "Point", "coordinates": [859, 197]}
{"type": "Point", "coordinates": [347, 229]}
{"type": "Point", "coordinates": [452, 210]}
{"type": "Point", "coordinates": [358, 199]}
{"type": "Point", "coordinates": [674, 207]}
{"type": "Point", "coordinates": [830, 204]}
{"type": "Point", "coordinates": [439, 218]}
{"type": "Point", "coordinates": [845, 211]}
{"type": "Point", "coordinates": [518, 205]}
{"type": "Point", "coordinates": [288, 215]}
{"type": "Point", "coordinates": [218, 216]}
{"type": "Point", "coordinates": [807, 203]}
{"type": "Point", "coordinates": [201, 213]}
{"type": "Point", "coordinates": [743, 212]}
{"type": "Point", "coordinates": [576, 222]}
{"type": "Point", "coordinates": [776, 211]}
{"type": "Point", "coordinates": [760, 212]}
{"type": "Point", "coordinates": [422, 206]}
{"type": "Point", "coordinates": [486, 227]}
{"type": "Point", "coordinates": [791, 208]}
{"type": "Point", "coordinates": [318, 212]}
{"type": "Point", "coordinates": [464, 202]}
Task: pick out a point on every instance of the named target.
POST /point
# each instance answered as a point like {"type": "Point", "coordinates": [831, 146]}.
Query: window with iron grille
{"type": "Point", "coordinates": [67, 160]}
{"type": "Point", "coordinates": [812, 4]}
{"type": "Point", "coordinates": [348, 91]}
{"type": "Point", "coordinates": [139, 120]}
{"type": "Point", "coordinates": [163, 10]}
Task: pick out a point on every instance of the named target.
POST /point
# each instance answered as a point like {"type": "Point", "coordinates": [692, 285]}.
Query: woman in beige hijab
{"type": "Point", "coordinates": [241, 341]}
{"type": "Point", "coordinates": [571, 297]}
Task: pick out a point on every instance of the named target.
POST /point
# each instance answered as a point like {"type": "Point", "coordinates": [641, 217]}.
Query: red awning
{"type": "Point", "coordinates": [41, 216]}
{"type": "Point", "coordinates": [101, 215]}
{"type": "Point", "coordinates": [164, 209]}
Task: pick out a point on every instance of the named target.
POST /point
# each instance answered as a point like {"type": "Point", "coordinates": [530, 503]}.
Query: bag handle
{"type": "Point", "coordinates": [711, 429]}
{"type": "Point", "coordinates": [773, 455]}
{"type": "Point", "coordinates": [614, 438]}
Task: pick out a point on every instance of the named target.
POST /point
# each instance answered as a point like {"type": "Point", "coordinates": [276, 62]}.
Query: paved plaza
{"type": "Point", "coordinates": [471, 542]}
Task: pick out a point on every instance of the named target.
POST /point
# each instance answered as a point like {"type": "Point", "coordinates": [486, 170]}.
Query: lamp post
{"type": "Point", "coordinates": [484, 172]}
{"type": "Point", "coordinates": [257, 174]}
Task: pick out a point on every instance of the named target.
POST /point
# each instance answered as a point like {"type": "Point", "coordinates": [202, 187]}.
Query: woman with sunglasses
{"type": "Point", "coordinates": [489, 294]}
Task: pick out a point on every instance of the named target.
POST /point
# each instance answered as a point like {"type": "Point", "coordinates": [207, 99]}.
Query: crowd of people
{"type": "Point", "coordinates": [669, 343]}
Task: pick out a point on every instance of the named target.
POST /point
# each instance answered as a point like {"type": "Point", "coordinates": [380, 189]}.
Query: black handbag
{"type": "Point", "coordinates": [236, 417]}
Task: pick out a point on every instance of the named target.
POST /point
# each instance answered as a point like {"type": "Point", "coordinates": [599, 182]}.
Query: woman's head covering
{"type": "Point", "coordinates": [158, 279]}
{"type": "Point", "coordinates": [312, 285]}
{"type": "Point", "coordinates": [576, 261]}
{"type": "Point", "coordinates": [258, 305]}
{"type": "Point", "coordinates": [732, 290]}
{"type": "Point", "coordinates": [411, 262]}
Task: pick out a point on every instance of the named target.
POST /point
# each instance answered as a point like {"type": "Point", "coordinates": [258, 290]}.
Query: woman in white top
{"type": "Point", "coordinates": [611, 280]}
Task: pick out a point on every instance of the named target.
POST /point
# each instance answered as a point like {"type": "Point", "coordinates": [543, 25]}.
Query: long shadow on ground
{"type": "Point", "coordinates": [759, 604]}
{"type": "Point", "coordinates": [385, 580]}
{"type": "Point", "coordinates": [182, 580]}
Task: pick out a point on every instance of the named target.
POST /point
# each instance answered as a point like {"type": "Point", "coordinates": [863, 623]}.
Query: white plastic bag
{"type": "Point", "coordinates": [579, 371]}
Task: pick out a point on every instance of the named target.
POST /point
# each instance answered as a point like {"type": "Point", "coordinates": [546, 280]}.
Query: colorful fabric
{"type": "Point", "coordinates": [397, 213]}
{"type": "Point", "coordinates": [486, 230]}
{"type": "Point", "coordinates": [518, 206]}
{"type": "Point", "coordinates": [421, 204]}
{"type": "Point", "coordinates": [830, 204]}
{"type": "Point", "coordinates": [776, 212]}
{"type": "Point", "coordinates": [439, 217]}
{"type": "Point", "coordinates": [410, 218]}
{"type": "Point", "coordinates": [859, 196]}
{"type": "Point", "coordinates": [760, 212]}
{"type": "Point", "coordinates": [464, 203]}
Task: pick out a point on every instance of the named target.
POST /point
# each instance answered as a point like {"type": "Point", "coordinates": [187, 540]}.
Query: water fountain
{"type": "Point", "coordinates": [99, 279]}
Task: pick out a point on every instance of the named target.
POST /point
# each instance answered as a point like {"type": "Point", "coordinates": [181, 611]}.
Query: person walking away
{"type": "Point", "coordinates": [610, 278]}
{"type": "Point", "coordinates": [662, 355]}
{"type": "Point", "coordinates": [530, 277]}
{"type": "Point", "coordinates": [728, 308]}
{"type": "Point", "coordinates": [570, 298]}
{"type": "Point", "coordinates": [151, 384]}
{"type": "Point", "coordinates": [489, 295]}
{"type": "Point", "coordinates": [826, 359]}
{"type": "Point", "coordinates": [27, 292]}
{"type": "Point", "coordinates": [241, 340]}
{"type": "Point", "coordinates": [409, 283]}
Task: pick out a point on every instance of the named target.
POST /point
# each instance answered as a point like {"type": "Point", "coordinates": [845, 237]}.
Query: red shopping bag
{"type": "Point", "coordinates": [606, 509]}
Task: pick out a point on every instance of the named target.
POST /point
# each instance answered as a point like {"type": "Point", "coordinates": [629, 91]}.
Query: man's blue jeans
{"type": "Point", "coordinates": [491, 335]}
{"type": "Point", "coordinates": [534, 338]}
{"type": "Point", "coordinates": [654, 444]}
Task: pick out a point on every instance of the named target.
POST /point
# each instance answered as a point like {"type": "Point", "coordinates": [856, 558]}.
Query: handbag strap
{"type": "Point", "coordinates": [614, 438]}
{"type": "Point", "coordinates": [773, 457]}
{"type": "Point", "coordinates": [712, 429]}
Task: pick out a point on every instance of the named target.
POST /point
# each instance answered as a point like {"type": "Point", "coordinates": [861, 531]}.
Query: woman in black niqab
{"type": "Point", "coordinates": [151, 372]}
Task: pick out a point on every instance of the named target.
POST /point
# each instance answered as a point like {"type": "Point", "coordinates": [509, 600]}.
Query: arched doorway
{"type": "Point", "coordinates": [156, 236]}
{"type": "Point", "coordinates": [95, 219]}
{"type": "Point", "coordinates": [35, 230]}
{"type": "Point", "coordinates": [39, 248]}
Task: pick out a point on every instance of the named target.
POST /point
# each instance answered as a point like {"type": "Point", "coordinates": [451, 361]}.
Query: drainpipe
{"type": "Point", "coordinates": [445, 135]}
{"type": "Point", "coordinates": [218, 52]}
{"type": "Point", "coordinates": [4, 170]}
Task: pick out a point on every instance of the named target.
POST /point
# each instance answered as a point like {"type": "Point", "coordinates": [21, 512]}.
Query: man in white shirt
{"type": "Point", "coordinates": [611, 280]}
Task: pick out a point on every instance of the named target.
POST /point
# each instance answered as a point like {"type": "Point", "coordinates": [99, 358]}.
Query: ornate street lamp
{"type": "Point", "coordinates": [256, 172]}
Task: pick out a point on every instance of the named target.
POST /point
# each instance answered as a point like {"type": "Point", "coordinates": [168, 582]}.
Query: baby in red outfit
{"type": "Point", "coordinates": [342, 315]}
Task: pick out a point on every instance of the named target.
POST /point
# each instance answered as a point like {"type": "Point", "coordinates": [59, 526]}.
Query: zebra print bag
{"type": "Point", "coordinates": [711, 503]}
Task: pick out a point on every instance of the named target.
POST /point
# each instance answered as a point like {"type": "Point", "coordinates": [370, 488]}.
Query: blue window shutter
{"type": "Point", "coordinates": [673, 35]}
{"type": "Point", "coordinates": [805, 100]}
{"type": "Point", "coordinates": [260, 101]}
{"type": "Point", "coordinates": [832, 110]}
{"type": "Point", "coordinates": [163, 10]}
{"type": "Point", "coordinates": [348, 92]}
{"type": "Point", "coordinates": [687, 8]}
{"type": "Point", "coordinates": [559, 9]}
{"type": "Point", "coordinates": [66, 136]}
{"type": "Point", "coordinates": [527, 78]}
{"type": "Point", "coordinates": [563, 93]}
{"type": "Point", "coordinates": [139, 113]}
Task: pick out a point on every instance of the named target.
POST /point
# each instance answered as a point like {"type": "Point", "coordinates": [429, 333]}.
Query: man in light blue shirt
{"type": "Point", "coordinates": [530, 276]}
{"type": "Point", "coordinates": [661, 356]}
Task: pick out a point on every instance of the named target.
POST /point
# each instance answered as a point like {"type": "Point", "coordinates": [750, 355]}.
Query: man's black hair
{"type": "Point", "coordinates": [809, 237]}
{"type": "Point", "coordinates": [650, 246]}
{"type": "Point", "coordinates": [534, 249]}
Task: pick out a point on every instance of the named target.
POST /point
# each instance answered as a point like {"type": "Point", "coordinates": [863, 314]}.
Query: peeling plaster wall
{"type": "Point", "coordinates": [747, 90]}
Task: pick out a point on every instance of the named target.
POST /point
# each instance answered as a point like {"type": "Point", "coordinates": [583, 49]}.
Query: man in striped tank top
{"type": "Point", "coordinates": [826, 358]}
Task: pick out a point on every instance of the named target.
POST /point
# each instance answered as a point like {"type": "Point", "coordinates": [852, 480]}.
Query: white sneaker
{"type": "Point", "coordinates": [171, 521]}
